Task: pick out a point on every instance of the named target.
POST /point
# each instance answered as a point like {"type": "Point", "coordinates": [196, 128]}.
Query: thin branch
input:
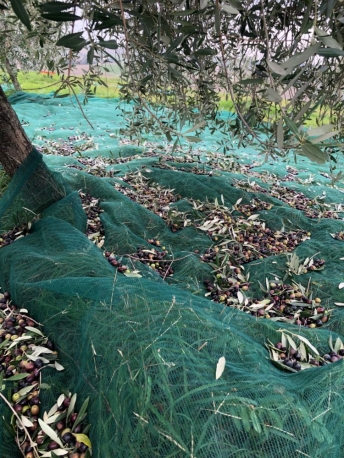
{"type": "Point", "coordinates": [230, 89]}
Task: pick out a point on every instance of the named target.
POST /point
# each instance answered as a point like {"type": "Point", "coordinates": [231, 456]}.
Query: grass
{"type": "Point", "coordinates": [39, 83]}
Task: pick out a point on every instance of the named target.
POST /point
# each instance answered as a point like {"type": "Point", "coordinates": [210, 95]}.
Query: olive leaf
{"type": "Point", "coordinates": [324, 137]}
{"type": "Point", "coordinates": [300, 58]}
{"type": "Point", "coordinates": [49, 432]}
{"type": "Point", "coordinates": [26, 421]}
{"type": "Point", "coordinates": [273, 96]}
{"type": "Point", "coordinates": [326, 39]}
{"type": "Point", "coordinates": [229, 9]}
{"type": "Point", "coordinates": [307, 342]}
{"type": "Point", "coordinates": [21, 13]}
{"type": "Point", "coordinates": [220, 367]}
{"type": "Point", "coordinates": [34, 330]}
{"type": "Point", "coordinates": [24, 391]}
{"type": "Point", "coordinates": [71, 405]}
{"type": "Point", "coordinates": [321, 130]}
{"type": "Point", "coordinates": [110, 44]}
{"type": "Point", "coordinates": [17, 377]}
{"type": "Point", "coordinates": [83, 438]}
{"type": "Point", "coordinates": [314, 153]}
{"type": "Point", "coordinates": [330, 52]}
{"type": "Point", "coordinates": [61, 16]}
{"type": "Point", "coordinates": [276, 68]}
{"type": "Point", "coordinates": [82, 413]}
{"type": "Point", "coordinates": [72, 41]}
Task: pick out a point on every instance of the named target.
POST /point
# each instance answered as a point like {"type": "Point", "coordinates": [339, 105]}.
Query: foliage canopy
{"type": "Point", "coordinates": [278, 62]}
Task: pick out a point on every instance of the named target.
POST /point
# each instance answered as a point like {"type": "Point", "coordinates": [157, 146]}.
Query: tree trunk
{"type": "Point", "coordinates": [12, 73]}
{"type": "Point", "coordinates": [37, 187]}
{"type": "Point", "coordinates": [14, 146]}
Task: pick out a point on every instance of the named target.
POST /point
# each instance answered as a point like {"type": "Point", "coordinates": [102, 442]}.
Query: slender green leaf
{"type": "Point", "coordinates": [55, 7]}
{"type": "Point", "coordinates": [229, 9]}
{"type": "Point", "coordinates": [17, 377]}
{"type": "Point", "coordinates": [276, 68]}
{"type": "Point", "coordinates": [34, 330]}
{"type": "Point", "coordinates": [330, 342]}
{"type": "Point", "coordinates": [82, 413]}
{"type": "Point", "coordinates": [110, 44]}
{"type": "Point", "coordinates": [192, 139]}
{"type": "Point", "coordinates": [71, 405]}
{"type": "Point", "coordinates": [329, 7]}
{"type": "Point", "coordinates": [205, 52]}
{"type": "Point", "coordinates": [326, 39]}
{"type": "Point", "coordinates": [300, 58]}
{"type": "Point", "coordinates": [195, 127]}
{"type": "Point", "coordinates": [21, 13]}
{"type": "Point", "coordinates": [248, 81]}
{"type": "Point", "coordinates": [302, 111]}
{"type": "Point", "coordinates": [338, 344]}
{"type": "Point", "coordinates": [299, 92]}
{"type": "Point", "coordinates": [181, 13]}
{"type": "Point", "coordinates": [49, 432]}
{"type": "Point", "coordinates": [291, 342]}
{"type": "Point", "coordinates": [83, 439]}
{"type": "Point", "coordinates": [306, 24]}
{"type": "Point", "coordinates": [307, 342]}
{"type": "Point", "coordinates": [61, 16]}
{"type": "Point", "coordinates": [324, 137]}
{"type": "Point", "coordinates": [280, 134]}
{"type": "Point", "coordinates": [291, 126]}
{"type": "Point", "coordinates": [314, 153]}
{"type": "Point", "coordinates": [273, 96]}
{"type": "Point", "coordinates": [330, 52]}
{"type": "Point", "coordinates": [245, 418]}
{"type": "Point", "coordinates": [72, 41]}
{"type": "Point", "coordinates": [321, 130]}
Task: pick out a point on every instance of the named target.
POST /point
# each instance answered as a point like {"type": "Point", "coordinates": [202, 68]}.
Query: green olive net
{"type": "Point", "coordinates": [147, 266]}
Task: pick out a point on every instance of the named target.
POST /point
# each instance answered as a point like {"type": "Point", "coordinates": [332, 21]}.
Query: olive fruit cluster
{"type": "Point", "coordinates": [318, 264]}
{"type": "Point", "coordinates": [254, 206]}
{"type": "Point", "coordinates": [150, 195]}
{"type": "Point", "coordinates": [155, 260]}
{"type": "Point", "coordinates": [22, 345]}
{"type": "Point", "coordinates": [288, 303]}
{"type": "Point", "coordinates": [115, 263]}
{"type": "Point", "coordinates": [94, 230]}
{"type": "Point", "coordinates": [16, 233]}
{"type": "Point", "coordinates": [338, 235]}
{"type": "Point", "coordinates": [69, 430]}
{"type": "Point", "coordinates": [24, 352]}
{"type": "Point", "coordinates": [244, 239]}
{"type": "Point", "coordinates": [295, 358]}
{"type": "Point", "coordinates": [292, 302]}
{"type": "Point", "coordinates": [225, 289]}
{"type": "Point", "coordinates": [293, 198]}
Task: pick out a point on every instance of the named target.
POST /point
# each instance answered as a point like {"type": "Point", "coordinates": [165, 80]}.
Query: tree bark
{"type": "Point", "coordinates": [37, 187]}
{"type": "Point", "coordinates": [12, 73]}
{"type": "Point", "coordinates": [14, 144]}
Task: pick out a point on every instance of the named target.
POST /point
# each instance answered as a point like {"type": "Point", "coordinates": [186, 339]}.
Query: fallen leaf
{"type": "Point", "coordinates": [220, 367]}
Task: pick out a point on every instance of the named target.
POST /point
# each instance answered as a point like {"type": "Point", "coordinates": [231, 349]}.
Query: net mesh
{"type": "Point", "coordinates": [145, 348]}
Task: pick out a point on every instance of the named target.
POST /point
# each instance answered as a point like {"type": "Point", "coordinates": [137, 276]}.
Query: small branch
{"type": "Point", "coordinates": [77, 101]}
{"type": "Point", "coordinates": [230, 89]}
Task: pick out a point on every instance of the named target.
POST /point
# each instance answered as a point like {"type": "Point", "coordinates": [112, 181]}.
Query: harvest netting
{"type": "Point", "coordinates": [194, 297]}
